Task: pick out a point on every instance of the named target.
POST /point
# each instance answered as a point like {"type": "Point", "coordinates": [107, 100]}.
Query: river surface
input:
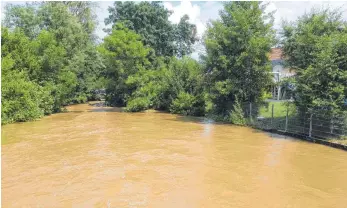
{"type": "Point", "coordinates": [101, 157]}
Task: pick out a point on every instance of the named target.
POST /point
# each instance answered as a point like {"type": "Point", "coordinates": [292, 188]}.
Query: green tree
{"type": "Point", "coordinates": [237, 115]}
{"type": "Point", "coordinates": [188, 80]}
{"type": "Point", "coordinates": [51, 55]}
{"type": "Point", "coordinates": [185, 36]}
{"type": "Point", "coordinates": [23, 17]}
{"type": "Point", "coordinates": [83, 10]}
{"type": "Point", "coordinates": [175, 86]}
{"type": "Point", "coordinates": [124, 55]}
{"type": "Point", "coordinates": [21, 50]}
{"type": "Point", "coordinates": [152, 89]}
{"type": "Point", "coordinates": [20, 97]}
{"type": "Point", "coordinates": [88, 67]}
{"type": "Point", "coordinates": [148, 19]}
{"type": "Point", "coordinates": [236, 59]}
{"type": "Point", "coordinates": [65, 27]}
{"type": "Point", "coordinates": [53, 49]}
{"type": "Point", "coordinates": [151, 21]}
{"type": "Point", "coordinates": [315, 47]}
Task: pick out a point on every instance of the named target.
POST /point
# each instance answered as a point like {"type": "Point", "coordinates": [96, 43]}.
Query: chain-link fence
{"type": "Point", "coordinates": [285, 117]}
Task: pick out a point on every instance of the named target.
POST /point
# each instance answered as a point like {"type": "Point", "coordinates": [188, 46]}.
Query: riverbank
{"type": "Point", "coordinates": [334, 143]}
{"type": "Point", "coordinates": [101, 106]}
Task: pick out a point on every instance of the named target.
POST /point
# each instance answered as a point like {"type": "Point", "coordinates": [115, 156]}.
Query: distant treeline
{"type": "Point", "coordinates": [51, 58]}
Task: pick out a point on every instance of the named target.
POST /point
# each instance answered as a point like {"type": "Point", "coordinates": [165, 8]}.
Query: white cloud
{"type": "Point", "coordinates": [193, 11]}
{"type": "Point", "coordinates": [290, 11]}
{"type": "Point", "coordinates": [186, 8]}
{"type": "Point", "coordinates": [199, 14]}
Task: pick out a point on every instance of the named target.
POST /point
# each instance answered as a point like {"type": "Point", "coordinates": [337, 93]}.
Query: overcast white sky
{"type": "Point", "coordinates": [200, 12]}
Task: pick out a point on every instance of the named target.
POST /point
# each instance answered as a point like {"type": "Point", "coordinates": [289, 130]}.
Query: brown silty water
{"type": "Point", "coordinates": [101, 157]}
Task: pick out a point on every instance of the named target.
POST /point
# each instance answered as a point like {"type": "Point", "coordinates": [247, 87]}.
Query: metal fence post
{"type": "Point", "coordinates": [250, 111]}
{"type": "Point", "coordinates": [310, 131]}
{"type": "Point", "coordinates": [272, 116]}
{"type": "Point", "coordinates": [286, 127]}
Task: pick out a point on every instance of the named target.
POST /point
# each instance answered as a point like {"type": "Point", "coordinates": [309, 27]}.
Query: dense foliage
{"type": "Point", "coordinates": [145, 60]}
{"type": "Point", "coordinates": [124, 55]}
{"type": "Point", "coordinates": [315, 46]}
{"type": "Point", "coordinates": [49, 58]}
{"type": "Point", "coordinates": [176, 86]}
{"type": "Point", "coordinates": [151, 21]}
{"type": "Point", "coordinates": [237, 61]}
{"type": "Point", "coordinates": [237, 115]}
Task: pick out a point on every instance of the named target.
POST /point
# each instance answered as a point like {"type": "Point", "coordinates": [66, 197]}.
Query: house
{"type": "Point", "coordinates": [279, 72]}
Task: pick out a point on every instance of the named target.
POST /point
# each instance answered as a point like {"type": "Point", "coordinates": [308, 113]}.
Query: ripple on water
{"type": "Point", "coordinates": [102, 157]}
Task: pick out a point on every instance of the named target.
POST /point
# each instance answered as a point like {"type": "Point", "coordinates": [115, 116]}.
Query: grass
{"type": "Point", "coordinates": [342, 140]}
{"type": "Point", "coordinates": [339, 141]}
{"type": "Point", "coordinates": [280, 109]}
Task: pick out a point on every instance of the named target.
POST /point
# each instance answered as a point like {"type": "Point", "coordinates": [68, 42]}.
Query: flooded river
{"type": "Point", "coordinates": [100, 157]}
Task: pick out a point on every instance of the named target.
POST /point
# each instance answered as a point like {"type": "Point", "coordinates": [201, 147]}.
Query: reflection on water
{"type": "Point", "coordinates": [94, 156]}
{"type": "Point", "coordinates": [208, 127]}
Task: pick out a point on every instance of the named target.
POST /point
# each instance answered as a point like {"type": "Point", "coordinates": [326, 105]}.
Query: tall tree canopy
{"type": "Point", "coordinates": [143, 62]}
{"type": "Point", "coordinates": [20, 97]}
{"type": "Point", "coordinates": [124, 55]}
{"type": "Point", "coordinates": [315, 46]}
{"type": "Point", "coordinates": [185, 36]}
{"type": "Point", "coordinates": [151, 21]}
{"type": "Point", "coordinates": [236, 59]}
{"type": "Point", "coordinates": [52, 45]}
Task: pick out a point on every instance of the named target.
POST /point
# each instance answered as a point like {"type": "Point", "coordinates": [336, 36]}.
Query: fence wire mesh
{"type": "Point", "coordinates": [284, 116]}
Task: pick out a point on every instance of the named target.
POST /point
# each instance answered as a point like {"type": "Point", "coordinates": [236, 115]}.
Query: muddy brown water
{"type": "Point", "coordinates": [100, 157]}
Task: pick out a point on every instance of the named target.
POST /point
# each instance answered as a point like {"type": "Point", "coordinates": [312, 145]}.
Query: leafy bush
{"type": "Point", "coordinates": [237, 65]}
{"type": "Point", "coordinates": [80, 98]}
{"type": "Point", "coordinates": [315, 46]}
{"type": "Point", "coordinates": [47, 100]}
{"type": "Point", "coordinates": [174, 85]}
{"type": "Point", "coordinates": [47, 65]}
{"type": "Point", "coordinates": [137, 104]}
{"type": "Point", "coordinates": [20, 98]}
{"type": "Point", "coordinates": [124, 55]}
{"type": "Point", "coordinates": [236, 116]}
{"type": "Point", "coordinates": [187, 104]}
{"type": "Point", "coordinates": [183, 104]}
